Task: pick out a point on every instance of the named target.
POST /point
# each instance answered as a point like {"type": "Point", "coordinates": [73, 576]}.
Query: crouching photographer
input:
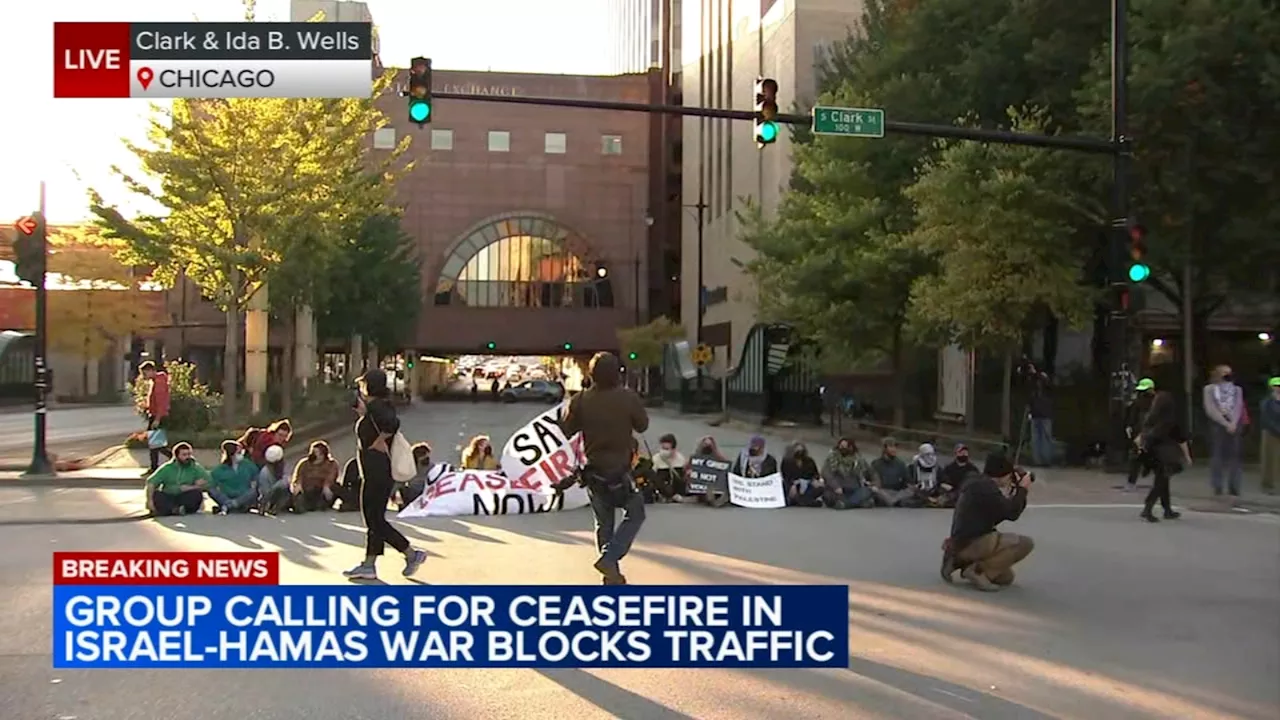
{"type": "Point", "coordinates": [606, 414]}
{"type": "Point", "coordinates": [983, 555]}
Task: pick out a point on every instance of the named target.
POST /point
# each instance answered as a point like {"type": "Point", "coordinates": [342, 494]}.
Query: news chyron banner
{"type": "Point", "coordinates": [152, 610]}
{"type": "Point", "coordinates": [213, 60]}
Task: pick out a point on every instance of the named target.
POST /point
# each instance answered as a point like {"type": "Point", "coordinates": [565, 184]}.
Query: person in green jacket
{"type": "Point", "coordinates": [231, 486]}
{"type": "Point", "coordinates": [177, 487]}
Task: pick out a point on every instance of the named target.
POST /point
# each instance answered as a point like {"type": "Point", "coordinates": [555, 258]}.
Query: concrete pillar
{"type": "Point", "coordinates": [256, 347]}
{"type": "Point", "coordinates": [355, 366]}
{"type": "Point", "coordinates": [304, 349]}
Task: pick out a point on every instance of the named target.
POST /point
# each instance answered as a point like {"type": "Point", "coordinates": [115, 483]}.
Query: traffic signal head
{"type": "Point", "coordinates": [29, 249]}
{"type": "Point", "coordinates": [766, 115]}
{"type": "Point", "coordinates": [420, 91]}
{"type": "Point", "coordinates": [491, 346]}
{"type": "Point", "coordinates": [1139, 270]}
{"type": "Point", "coordinates": [409, 363]}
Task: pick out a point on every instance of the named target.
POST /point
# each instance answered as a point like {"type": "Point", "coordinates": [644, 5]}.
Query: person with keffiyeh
{"type": "Point", "coordinates": [753, 461]}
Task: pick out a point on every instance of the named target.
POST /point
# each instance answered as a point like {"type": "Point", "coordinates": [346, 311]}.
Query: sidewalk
{"type": "Point", "coordinates": [1053, 485]}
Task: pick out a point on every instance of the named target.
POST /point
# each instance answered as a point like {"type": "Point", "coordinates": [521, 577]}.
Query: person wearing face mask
{"type": "Point", "coordinates": [847, 476]}
{"type": "Point", "coordinates": [478, 454]}
{"type": "Point", "coordinates": [708, 447]}
{"type": "Point", "coordinates": [315, 480]}
{"type": "Point", "coordinates": [1161, 444]}
{"type": "Point", "coordinates": [1224, 405]}
{"type": "Point", "coordinates": [1269, 418]}
{"type": "Point", "coordinates": [923, 475]}
{"type": "Point", "coordinates": [893, 486]}
{"type": "Point", "coordinates": [177, 487]}
{"type": "Point", "coordinates": [668, 467]}
{"type": "Point", "coordinates": [1145, 391]}
{"type": "Point", "coordinates": [753, 461]}
{"type": "Point", "coordinates": [274, 496]}
{"type": "Point", "coordinates": [952, 478]}
{"type": "Point", "coordinates": [800, 478]}
{"type": "Point", "coordinates": [231, 482]}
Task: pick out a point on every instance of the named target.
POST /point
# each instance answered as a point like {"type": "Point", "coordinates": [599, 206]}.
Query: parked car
{"type": "Point", "coordinates": [535, 390]}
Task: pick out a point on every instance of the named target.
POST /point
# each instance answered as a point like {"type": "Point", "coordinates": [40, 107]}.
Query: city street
{"type": "Point", "coordinates": [1110, 617]}
{"type": "Point", "coordinates": [69, 425]}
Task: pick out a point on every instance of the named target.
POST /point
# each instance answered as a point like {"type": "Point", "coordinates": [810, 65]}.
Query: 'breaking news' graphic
{"type": "Point", "coordinates": [212, 60]}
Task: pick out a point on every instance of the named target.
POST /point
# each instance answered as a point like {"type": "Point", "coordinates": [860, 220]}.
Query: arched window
{"type": "Point", "coordinates": [523, 261]}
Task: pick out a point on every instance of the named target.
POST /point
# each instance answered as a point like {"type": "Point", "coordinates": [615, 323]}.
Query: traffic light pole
{"type": "Point", "coordinates": [1118, 326]}
{"type": "Point", "coordinates": [40, 463]}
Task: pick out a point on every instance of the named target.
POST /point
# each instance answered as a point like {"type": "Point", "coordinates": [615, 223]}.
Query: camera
{"type": "Point", "coordinates": [1020, 473]}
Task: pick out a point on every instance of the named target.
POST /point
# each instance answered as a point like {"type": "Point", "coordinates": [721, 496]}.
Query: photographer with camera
{"type": "Point", "coordinates": [607, 414]}
{"type": "Point", "coordinates": [984, 555]}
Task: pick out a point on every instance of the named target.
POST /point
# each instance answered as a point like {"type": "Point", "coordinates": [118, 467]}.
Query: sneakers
{"type": "Point", "coordinates": [609, 569]}
{"type": "Point", "coordinates": [978, 580]}
{"type": "Point", "coordinates": [413, 561]}
{"type": "Point", "coordinates": [364, 571]}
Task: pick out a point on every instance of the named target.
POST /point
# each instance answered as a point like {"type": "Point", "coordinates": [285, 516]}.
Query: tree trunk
{"type": "Point", "coordinates": [84, 365]}
{"type": "Point", "coordinates": [898, 360]}
{"type": "Point", "coordinates": [1006, 398]}
{"type": "Point", "coordinates": [287, 370]}
{"type": "Point", "coordinates": [231, 354]}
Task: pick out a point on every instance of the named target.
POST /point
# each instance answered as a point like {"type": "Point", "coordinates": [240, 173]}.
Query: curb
{"type": "Point", "coordinates": [132, 517]}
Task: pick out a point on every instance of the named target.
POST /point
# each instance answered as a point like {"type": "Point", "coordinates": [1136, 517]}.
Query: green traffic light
{"type": "Point", "coordinates": [1139, 272]}
{"type": "Point", "coordinates": [631, 356]}
{"type": "Point", "coordinates": [419, 111]}
{"type": "Point", "coordinates": [568, 346]}
{"type": "Point", "coordinates": [492, 346]}
{"type": "Point", "coordinates": [768, 132]}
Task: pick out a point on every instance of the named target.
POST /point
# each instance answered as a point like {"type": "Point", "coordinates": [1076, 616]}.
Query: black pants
{"type": "Point", "coordinates": [162, 503]}
{"type": "Point", "coordinates": [154, 424]}
{"type": "Point", "coordinates": [311, 500]}
{"type": "Point", "coordinates": [1159, 490]}
{"type": "Point", "coordinates": [375, 493]}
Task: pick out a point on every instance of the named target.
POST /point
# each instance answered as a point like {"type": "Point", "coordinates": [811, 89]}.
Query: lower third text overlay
{"type": "Point", "coordinates": [440, 626]}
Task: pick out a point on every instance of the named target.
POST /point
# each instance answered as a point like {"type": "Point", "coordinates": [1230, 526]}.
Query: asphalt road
{"type": "Point", "coordinates": [1111, 618]}
{"type": "Point", "coordinates": [67, 426]}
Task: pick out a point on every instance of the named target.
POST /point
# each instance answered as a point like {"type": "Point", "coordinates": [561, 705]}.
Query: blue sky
{"type": "Point", "coordinates": [71, 144]}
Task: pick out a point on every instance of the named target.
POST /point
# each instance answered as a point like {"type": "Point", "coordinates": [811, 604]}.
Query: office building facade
{"type": "Point", "coordinates": [643, 34]}
{"type": "Point", "coordinates": [726, 45]}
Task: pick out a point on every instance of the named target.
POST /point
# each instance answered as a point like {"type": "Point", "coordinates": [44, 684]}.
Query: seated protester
{"type": "Point", "coordinates": [413, 489]}
{"type": "Point", "coordinates": [315, 478]}
{"type": "Point", "coordinates": [177, 487]}
{"type": "Point", "coordinates": [801, 480]}
{"type": "Point", "coordinates": [924, 475]}
{"type": "Point", "coordinates": [274, 496]}
{"type": "Point", "coordinates": [645, 477]}
{"type": "Point", "coordinates": [348, 488]}
{"type": "Point", "coordinates": [951, 479]}
{"type": "Point", "coordinates": [984, 555]}
{"type": "Point", "coordinates": [231, 481]}
{"type": "Point", "coordinates": [668, 467]}
{"type": "Point", "coordinates": [753, 461]}
{"type": "Point", "coordinates": [707, 446]}
{"type": "Point", "coordinates": [479, 454]}
{"type": "Point", "coordinates": [256, 440]}
{"type": "Point", "coordinates": [847, 478]}
{"type": "Point", "coordinates": [893, 479]}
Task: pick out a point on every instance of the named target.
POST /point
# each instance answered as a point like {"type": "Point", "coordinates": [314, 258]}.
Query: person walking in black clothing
{"type": "Point", "coordinates": [1134, 414]}
{"type": "Point", "coordinates": [1160, 444]}
{"type": "Point", "coordinates": [378, 423]}
{"type": "Point", "coordinates": [606, 414]}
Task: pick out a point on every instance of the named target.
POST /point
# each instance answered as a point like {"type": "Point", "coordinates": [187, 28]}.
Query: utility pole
{"type": "Point", "coordinates": [1118, 326]}
{"type": "Point", "coordinates": [701, 207]}
{"type": "Point", "coordinates": [40, 463]}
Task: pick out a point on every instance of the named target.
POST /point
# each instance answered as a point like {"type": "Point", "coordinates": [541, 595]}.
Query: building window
{"type": "Point", "coordinates": [499, 141]}
{"type": "Point", "coordinates": [523, 262]}
{"type": "Point", "coordinates": [441, 139]}
{"type": "Point", "coordinates": [384, 139]}
{"type": "Point", "coordinates": [556, 143]}
{"type": "Point", "coordinates": [611, 144]}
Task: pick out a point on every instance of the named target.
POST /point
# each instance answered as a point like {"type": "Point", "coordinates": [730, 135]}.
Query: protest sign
{"type": "Point", "coordinates": [757, 493]}
{"type": "Point", "coordinates": [539, 454]}
{"type": "Point", "coordinates": [481, 492]}
{"type": "Point", "coordinates": [707, 475]}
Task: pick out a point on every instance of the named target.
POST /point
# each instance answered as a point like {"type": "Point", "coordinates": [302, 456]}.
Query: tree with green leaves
{"type": "Point", "coordinates": [374, 285]}
{"type": "Point", "coordinates": [999, 223]}
{"type": "Point", "coordinates": [1204, 89]}
{"type": "Point", "coordinates": [252, 191]}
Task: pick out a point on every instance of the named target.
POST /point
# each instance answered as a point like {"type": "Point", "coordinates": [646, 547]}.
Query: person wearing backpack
{"type": "Point", "coordinates": [377, 426]}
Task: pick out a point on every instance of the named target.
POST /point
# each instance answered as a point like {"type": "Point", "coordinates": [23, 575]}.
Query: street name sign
{"type": "Point", "coordinates": [849, 122]}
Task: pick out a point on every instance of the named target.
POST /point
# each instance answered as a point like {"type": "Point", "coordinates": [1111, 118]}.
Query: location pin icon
{"type": "Point", "coordinates": [144, 76]}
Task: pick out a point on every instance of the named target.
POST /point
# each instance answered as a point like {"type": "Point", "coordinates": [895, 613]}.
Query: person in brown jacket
{"type": "Point", "coordinates": [314, 479]}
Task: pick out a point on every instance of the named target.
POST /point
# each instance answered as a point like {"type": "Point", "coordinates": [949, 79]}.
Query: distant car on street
{"type": "Point", "coordinates": [534, 390]}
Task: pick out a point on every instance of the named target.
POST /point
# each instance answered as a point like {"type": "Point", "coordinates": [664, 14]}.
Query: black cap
{"type": "Point", "coordinates": [374, 381]}
{"type": "Point", "coordinates": [997, 465]}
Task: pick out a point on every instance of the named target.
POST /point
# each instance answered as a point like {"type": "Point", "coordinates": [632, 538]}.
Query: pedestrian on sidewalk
{"type": "Point", "coordinates": [377, 425]}
{"type": "Point", "coordinates": [156, 407]}
{"type": "Point", "coordinates": [1224, 405]}
{"type": "Point", "coordinates": [1269, 416]}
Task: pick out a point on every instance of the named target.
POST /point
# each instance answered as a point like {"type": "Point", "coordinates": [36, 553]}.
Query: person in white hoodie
{"type": "Point", "coordinates": [1224, 406]}
{"type": "Point", "coordinates": [668, 467]}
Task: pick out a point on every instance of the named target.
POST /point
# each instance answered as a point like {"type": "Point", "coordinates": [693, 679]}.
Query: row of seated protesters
{"type": "Point", "coordinates": [846, 479]}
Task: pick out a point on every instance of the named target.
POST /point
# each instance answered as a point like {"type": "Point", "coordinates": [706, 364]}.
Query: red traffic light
{"type": "Point", "coordinates": [1137, 241]}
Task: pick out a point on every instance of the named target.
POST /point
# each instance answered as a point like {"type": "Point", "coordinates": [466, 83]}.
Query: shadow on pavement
{"type": "Point", "coordinates": [611, 698]}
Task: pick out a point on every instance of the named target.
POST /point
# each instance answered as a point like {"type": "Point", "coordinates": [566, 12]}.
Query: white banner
{"type": "Point", "coordinates": [479, 492]}
{"type": "Point", "coordinates": [539, 454]}
{"type": "Point", "coordinates": [763, 493]}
